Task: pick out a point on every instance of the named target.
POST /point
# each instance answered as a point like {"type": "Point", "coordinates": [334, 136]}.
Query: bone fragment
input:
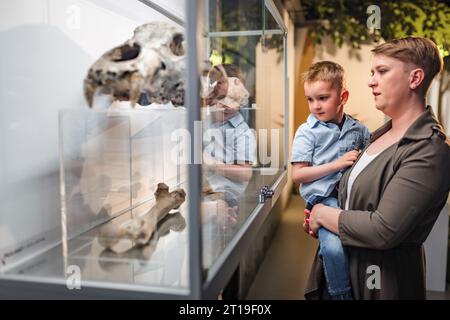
{"type": "Point", "coordinates": [140, 229]}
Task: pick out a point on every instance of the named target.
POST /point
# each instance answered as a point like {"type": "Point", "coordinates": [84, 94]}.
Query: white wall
{"type": "Point", "coordinates": [433, 101]}
{"type": "Point", "coordinates": [47, 48]}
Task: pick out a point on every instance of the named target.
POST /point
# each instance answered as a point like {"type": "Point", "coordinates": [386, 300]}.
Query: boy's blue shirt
{"type": "Point", "coordinates": [318, 142]}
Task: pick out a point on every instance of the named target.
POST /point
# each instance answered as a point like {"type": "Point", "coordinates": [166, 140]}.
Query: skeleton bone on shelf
{"type": "Point", "coordinates": [151, 63]}
{"type": "Point", "coordinates": [140, 229]}
{"type": "Point", "coordinates": [172, 222]}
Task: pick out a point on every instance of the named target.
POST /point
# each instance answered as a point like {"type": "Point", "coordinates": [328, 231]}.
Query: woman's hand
{"type": "Point", "coordinates": [322, 216]}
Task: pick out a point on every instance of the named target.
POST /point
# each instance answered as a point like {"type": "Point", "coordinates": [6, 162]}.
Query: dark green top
{"type": "Point", "coordinates": [394, 204]}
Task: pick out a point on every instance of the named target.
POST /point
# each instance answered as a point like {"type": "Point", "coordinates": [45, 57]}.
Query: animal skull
{"type": "Point", "coordinates": [150, 63]}
{"type": "Point", "coordinates": [220, 89]}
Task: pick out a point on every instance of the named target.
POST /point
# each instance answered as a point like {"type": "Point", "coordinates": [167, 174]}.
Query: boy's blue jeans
{"type": "Point", "coordinates": [335, 262]}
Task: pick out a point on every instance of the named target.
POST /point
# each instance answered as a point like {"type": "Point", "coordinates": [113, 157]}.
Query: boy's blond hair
{"type": "Point", "coordinates": [418, 51]}
{"type": "Point", "coordinates": [326, 71]}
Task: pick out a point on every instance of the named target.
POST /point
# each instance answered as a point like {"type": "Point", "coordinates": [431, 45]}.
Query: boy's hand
{"type": "Point", "coordinates": [306, 227]}
{"type": "Point", "coordinates": [347, 159]}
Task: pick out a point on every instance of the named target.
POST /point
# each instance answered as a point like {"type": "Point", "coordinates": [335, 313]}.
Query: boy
{"type": "Point", "coordinates": [323, 147]}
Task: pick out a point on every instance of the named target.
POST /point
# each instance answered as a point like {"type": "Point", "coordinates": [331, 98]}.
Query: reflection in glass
{"type": "Point", "coordinates": [243, 100]}
{"type": "Point", "coordinates": [239, 15]}
{"type": "Point", "coordinates": [229, 152]}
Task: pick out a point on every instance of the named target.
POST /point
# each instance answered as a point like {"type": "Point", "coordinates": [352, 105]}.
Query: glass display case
{"type": "Point", "coordinates": [148, 195]}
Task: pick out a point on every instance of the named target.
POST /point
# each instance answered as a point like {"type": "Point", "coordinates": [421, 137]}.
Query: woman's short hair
{"type": "Point", "coordinates": [326, 71]}
{"type": "Point", "coordinates": [421, 52]}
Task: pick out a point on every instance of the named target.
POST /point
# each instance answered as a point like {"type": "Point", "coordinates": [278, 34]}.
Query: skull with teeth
{"type": "Point", "coordinates": [150, 65]}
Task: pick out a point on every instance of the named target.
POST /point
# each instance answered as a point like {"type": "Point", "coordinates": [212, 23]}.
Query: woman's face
{"type": "Point", "coordinates": [389, 83]}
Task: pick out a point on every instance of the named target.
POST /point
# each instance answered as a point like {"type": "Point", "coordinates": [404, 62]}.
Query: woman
{"type": "Point", "coordinates": [396, 189]}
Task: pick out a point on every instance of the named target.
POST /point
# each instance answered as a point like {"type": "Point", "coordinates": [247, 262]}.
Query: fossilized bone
{"type": "Point", "coordinates": [151, 63]}
{"type": "Point", "coordinates": [140, 229]}
{"type": "Point", "coordinates": [171, 222]}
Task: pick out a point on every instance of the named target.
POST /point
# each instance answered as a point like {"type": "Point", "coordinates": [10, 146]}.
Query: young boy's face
{"type": "Point", "coordinates": [324, 101]}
